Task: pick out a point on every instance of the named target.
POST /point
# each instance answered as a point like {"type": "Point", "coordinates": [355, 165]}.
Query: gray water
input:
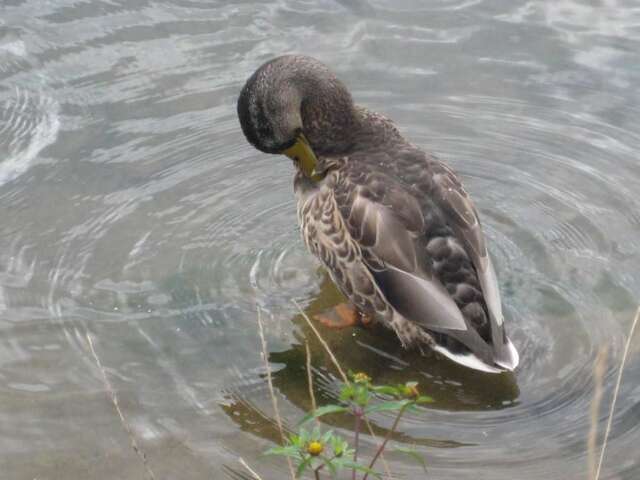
{"type": "Point", "coordinates": [134, 215]}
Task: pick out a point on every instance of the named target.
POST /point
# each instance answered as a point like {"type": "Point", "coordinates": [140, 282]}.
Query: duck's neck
{"type": "Point", "coordinates": [330, 119]}
{"type": "Point", "coordinates": [330, 123]}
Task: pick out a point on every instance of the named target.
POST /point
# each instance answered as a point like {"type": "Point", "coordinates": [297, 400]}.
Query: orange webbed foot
{"type": "Point", "coordinates": [342, 315]}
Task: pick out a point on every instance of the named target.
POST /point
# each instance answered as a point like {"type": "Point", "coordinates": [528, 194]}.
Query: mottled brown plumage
{"type": "Point", "coordinates": [393, 225]}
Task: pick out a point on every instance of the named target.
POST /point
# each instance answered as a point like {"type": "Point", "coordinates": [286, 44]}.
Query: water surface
{"type": "Point", "coordinates": [134, 214]}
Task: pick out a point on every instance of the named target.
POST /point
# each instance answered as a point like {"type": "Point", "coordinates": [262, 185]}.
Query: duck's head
{"type": "Point", "coordinates": [293, 105]}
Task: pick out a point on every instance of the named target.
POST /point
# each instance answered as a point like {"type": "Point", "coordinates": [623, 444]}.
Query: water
{"type": "Point", "coordinates": [134, 214]}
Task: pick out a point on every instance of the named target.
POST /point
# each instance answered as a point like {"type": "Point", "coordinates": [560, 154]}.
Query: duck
{"type": "Point", "coordinates": [392, 224]}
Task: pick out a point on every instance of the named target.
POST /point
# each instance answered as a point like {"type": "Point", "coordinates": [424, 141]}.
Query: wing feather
{"type": "Point", "coordinates": [453, 199]}
{"type": "Point", "coordinates": [394, 216]}
{"type": "Point", "coordinates": [387, 222]}
{"type": "Point", "coordinates": [465, 221]}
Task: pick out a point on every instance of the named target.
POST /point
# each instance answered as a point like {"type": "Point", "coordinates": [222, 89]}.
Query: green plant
{"type": "Point", "coordinates": [320, 452]}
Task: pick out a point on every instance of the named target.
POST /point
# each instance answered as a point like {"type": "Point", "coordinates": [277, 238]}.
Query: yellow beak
{"type": "Point", "coordinates": [302, 153]}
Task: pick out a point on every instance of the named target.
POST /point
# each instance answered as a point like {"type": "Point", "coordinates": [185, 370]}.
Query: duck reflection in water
{"type": "Point", "coordinates": [453, 387]}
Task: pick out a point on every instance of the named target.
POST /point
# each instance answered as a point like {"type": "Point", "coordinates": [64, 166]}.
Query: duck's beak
{"type": "Point", "coordinates": [302, 153]}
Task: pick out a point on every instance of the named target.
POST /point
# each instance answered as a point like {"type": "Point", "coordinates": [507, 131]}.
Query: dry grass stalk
{"type": "Point", "coordinates": [312, 396]}
{"type": "Point", "coordinates": [344, 378]}
{"type": "Point", "coordinates": [324, 344]}
{"type": "Point", "coordinates": [599, 369]}
{"type": "Point", "coordinates": [116, 405]}
{"type": "Point", "coordinates": [274, 400]}
{"type": "Point", "coordinates": [249, 469]}
{"type": "Point", "coordinates": [616, 390]}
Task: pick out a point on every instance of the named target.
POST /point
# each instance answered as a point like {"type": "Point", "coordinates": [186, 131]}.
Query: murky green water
{"type": "Point", "coordinates": [134, 213]}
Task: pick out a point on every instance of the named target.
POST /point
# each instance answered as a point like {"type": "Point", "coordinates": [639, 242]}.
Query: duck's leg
{"type": "Point", "coordinates": [341, 316]}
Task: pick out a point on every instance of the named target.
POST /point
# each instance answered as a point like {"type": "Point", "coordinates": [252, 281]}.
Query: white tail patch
{"type": "Point", "coordinates": [468, 360]}
{"type": "Point", "coordinates": [514, 358]}
{"type": "Point", "coordinates": [471, 361]}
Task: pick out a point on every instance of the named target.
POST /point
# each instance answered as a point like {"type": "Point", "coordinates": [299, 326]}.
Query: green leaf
{"type": "Point", "coordinates": [324, 410]}
{"type": "Point", "coordinates": [347, 392]}
{"type": "Point", "coordinates": [303, 466]}
{"type": "Point", "coordinates": [361, 396]}
{"type": "Point", "coordinates": [413, 454]}
{"type": "Point", "coordinates": [386, 406]}
{"type": "Point", "coordinates": [331, 466]}
{"type": "Point", "coordinates": [303, 438]}
{"type": "Point", "coordinates": [288, 451]}
{"type": "Point", "coordinates": [346, 463]}
{"type": "Point", "coordinates": [386, 390]}
{"type": "Point", "coordinates": [328, 435]}
{"type": "Point", "coordinates": [424, 399]}
{"type": "Point", "coordinates": [339, 446]}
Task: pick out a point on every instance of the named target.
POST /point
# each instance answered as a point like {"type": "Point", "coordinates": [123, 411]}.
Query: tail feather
{"type": "Point", "coordinates": [508, 361]}
{"type": "Point", "coordinates": [509, 358]}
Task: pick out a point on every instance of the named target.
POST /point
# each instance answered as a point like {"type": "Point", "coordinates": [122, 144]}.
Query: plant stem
{"type": "Point", "coordinates": [386, 439]}
{"type": "Point", "coordinates": [274, 400]}
{"type": "Point", "coordinates": [357, 438]}
{"type": "Point", "coordinates": [316, 471]}
{"type": "Point", "coordinates": [616, 390]}
{"type": "Point", "coordinates": [342, 374]}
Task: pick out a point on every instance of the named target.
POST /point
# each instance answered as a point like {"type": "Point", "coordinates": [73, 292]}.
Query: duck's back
{"type": "Point", "coordinates": [412, 178]}
{"type": "Point", "coordinates": [433, 234]}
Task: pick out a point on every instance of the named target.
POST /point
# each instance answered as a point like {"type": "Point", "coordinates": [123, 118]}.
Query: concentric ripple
{"type": "Point", "coordinates": [30, 122]}
{"type": "Point", "coordinates": [141, 235]}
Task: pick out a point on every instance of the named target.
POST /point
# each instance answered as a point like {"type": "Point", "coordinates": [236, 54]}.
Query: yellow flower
{"type": "Point", "coordinates": [315, 448]}
{"type": "Point", "coordinates": [361, 377]}
{"type": "Point", "coordinates": [411, 391]}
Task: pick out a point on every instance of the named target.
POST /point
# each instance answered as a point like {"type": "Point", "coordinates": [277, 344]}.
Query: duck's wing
{"type": "Point", "coordinates": [386, 221]}
{"type": "Point", "coordinates": [450, 195]}
{"type": "Point", "coordinates": [463, 217]}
